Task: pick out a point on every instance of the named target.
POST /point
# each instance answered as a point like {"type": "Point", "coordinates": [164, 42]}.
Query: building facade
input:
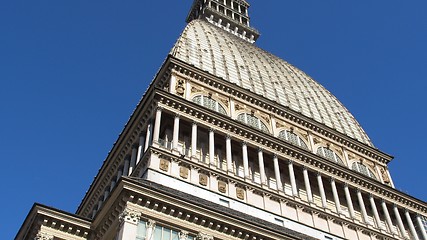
{"type": "Point", "coordinates": [232, 142]}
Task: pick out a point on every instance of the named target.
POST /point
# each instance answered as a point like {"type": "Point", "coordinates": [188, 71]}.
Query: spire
{"type": "Point", "coordinates": [231, 15]}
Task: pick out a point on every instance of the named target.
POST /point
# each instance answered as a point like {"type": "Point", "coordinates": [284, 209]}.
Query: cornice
{"type": "Point", "coordinates": [58, 220]}
{"type": "Point", "coordinates": [273, 107]}
{"type": "Point", "coordinates": [287, 150]}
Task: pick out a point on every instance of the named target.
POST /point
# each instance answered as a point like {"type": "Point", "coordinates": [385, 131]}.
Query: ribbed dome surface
{"type": "Point", "coordinates": [220, 53]}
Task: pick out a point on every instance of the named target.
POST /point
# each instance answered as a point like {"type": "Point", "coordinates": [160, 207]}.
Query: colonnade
{"type": "Point", "coordinates": [312, 181]}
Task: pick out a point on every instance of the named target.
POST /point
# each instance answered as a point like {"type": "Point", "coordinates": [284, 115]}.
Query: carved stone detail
{"type": "Point", "coordinates": [224, 101]}
{"type": "Point", "coordinates": [204, 236]}
{"type": "Point", "coordinates": [238, 107]}
{"type": "Point", "coordinates": [164, 165]}
{"type": "Point", "coordinates": [279, 124]}
{"type": "Point", "coordinates": [130, 215]}
{"type": "Point", "coordinates": [384, 175]}
{"type": "Point", "coordinates": [43, 236]}
{"type": "Point", "coordinates": [222, 186]}
{"type": "Point", "coordinates": [266, 118]}
{"type": "Point", "coordinates": [183, 235]}
{"type": "Point", "coordinates": [180, 89]}
{"type": "Point", "coordinates": [240, 193]}
{"type": "Point", "coordinates": [183, 172]}
{"type": "Point", "coordinates": [195, 90]}
{"type": "Point", "coordinates": [203, 179]}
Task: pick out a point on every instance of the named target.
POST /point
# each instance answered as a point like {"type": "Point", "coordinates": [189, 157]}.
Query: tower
{"type": "Point", "coordinates": [232, 142]}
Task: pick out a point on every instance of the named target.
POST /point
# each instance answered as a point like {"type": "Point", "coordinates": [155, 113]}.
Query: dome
{"type": "Point", "coordinates": [233, 59]}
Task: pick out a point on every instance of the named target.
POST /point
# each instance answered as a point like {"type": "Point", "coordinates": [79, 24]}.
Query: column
{"type": "Point", "coordinates": [307, 184]}
{"type": "Point", "coordinates": [362, 206]}
{"type": "Point", "coordinates": [148, 140]}
{"type": "Point", "coordinates": [387, 216]}
{"type": "Point", "coordinates": [126, 166]}
{"type": "Point", "coordinates": [399, 221]}
{"type": "Point", "coordinates": [375, 211]}
{"type": "Point", "coordinates": [194, 139]}
{"type": "Point", "coordinates": [157, 123]}
{"type": "Point", "coordinates": [292, 178]}
{"type": "Point", "coordinates": [128, 224]}
{"type": "Point", "coordinates": [212, 147]}
{"type": "Point", "coordinates": [228, 153]}
{"type": "Point", "coordinates": [411, 225]}
{"type": "Point", "coordinates": [277, 173]}
{"type": "Point", "coordinates": [175, 135]}
{"type": "Point", "coordinates": [349, 201]}
{"type": "Point", "coordinates": [322, 190]}
{"type": "Point", "coordinates": [140, 148]}
{"type": "Point", "coordinates": [245, 159]}
{"type": "Point", "coordinates": [422, 228]}
{"type": "Point", "coordinates": [336, 197]}
{"type": "Point", "coordinates": [261, 167]}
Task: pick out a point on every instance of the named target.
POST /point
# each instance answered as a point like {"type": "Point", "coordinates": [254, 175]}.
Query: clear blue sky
{"type": "Point", "coordinates": [72, 72]}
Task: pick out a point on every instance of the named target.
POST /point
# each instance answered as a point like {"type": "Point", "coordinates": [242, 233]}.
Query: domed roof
{"type": "Point", "coordinates": [233, 59]}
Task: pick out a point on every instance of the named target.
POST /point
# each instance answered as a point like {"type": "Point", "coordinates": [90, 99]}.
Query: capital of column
{"type": "Point", "coordinates": [159, 109]}
{"type": "Point", "coordinates": [177, 115]}
{"type": "Point", "coordinates": [332, 179]}
{"type": "Point", "coordinates": [183, 235]}
{"type": "Point", "coordinates": [290, 162]}
{"type": "Point", "coordinates": [130, 215]}
{"type": "Point", "coordinates": [204, 236]}
{"type": "Point", "coordinates": [195, 123]}
{"type": "Point", "coordinates": [43, 236]}
{"type": "Point", "coordinates": [260, 149]}
{"type": "Point", "coordinates": [151, 223]}
{"type": "Point", "coordinates": [211, 130]}
{"type": "Point", "coordinates": [227, 136]}
{"type": "Point", "coordinates": [244, 143]}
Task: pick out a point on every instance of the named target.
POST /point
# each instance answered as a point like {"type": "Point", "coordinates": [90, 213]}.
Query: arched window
{"type": "Point", "coordinates": [359, 167]}
{"type": "Point", "coordinates": [209, 103]}
{"type": "Point", "coordinates": [330, 155]}
{"type": "Point", "coordinates": [292, 138]}
{"type": "Point", "coordinates": [252, 121]}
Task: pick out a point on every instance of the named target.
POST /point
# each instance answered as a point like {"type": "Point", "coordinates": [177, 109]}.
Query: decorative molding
{"type": "Point", "coordinates": [222, 186]}
{"type": "Point", "coordinates": [183, 235]}
{"type": "Point", "coordinates": [203, 179]}
{"type": "Point", "coordinates": [180, 89]}
{"type": "Point", "coordinates": [240, 193]}
{"type": "Point", "coordinates": [43, 236]}
{"type": "Point", "coordinates": [164, 165]}
{"type": "Point", "coordinates": [183, 172]}
{"type": "Point", "coordinates": [204, 236]}
{"type": "Point", "coordinates": [130, 215]}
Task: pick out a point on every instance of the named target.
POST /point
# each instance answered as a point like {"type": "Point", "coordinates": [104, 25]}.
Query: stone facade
{"type": "Point", "coordinates": [216, 152]}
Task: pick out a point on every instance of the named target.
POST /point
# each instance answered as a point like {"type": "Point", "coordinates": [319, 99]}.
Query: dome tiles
{"type": "Point", "coordinates": [224, 55]}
